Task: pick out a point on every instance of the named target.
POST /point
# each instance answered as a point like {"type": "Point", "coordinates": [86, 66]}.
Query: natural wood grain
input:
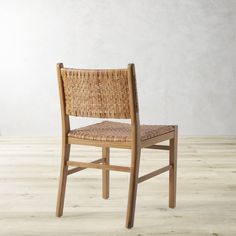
{"type": "Point", "coordinates": [173, 170]}
{"type": "Point", "coordinates": [98, 166]}
{"type": "Point", "coordinates": [135, 147]}
{"type": "Point", "coordinates": [65, 147]}
{"type": "Point", "coordinates": [77, 169]}
{"type": "Point", "coordinates": [154, 173]}
{"type": "Point", "coordinates": [63, 178]}
{"type": "Point", "coordinates": [126, 145]}
{"type": "Point", "coordinates": [105, 173]}
{"type": "Point", "coordinates": [162, 147]}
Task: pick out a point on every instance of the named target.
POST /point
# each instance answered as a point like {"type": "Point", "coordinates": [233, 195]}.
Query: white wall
{"type": "Point", "coordinates": [184, 51]}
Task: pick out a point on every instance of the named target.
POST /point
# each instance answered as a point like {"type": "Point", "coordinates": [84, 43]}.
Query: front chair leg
{"type": "Point", "coordinates": [173, 170]}
{"type": "Point", "coordinates": [105, 173]}
{"type": "Point", "coordinates": [133, 184]}
{"type": "Point", "coordinates": [63, 178]}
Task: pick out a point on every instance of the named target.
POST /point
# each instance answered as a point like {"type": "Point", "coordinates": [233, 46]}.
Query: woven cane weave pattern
{"type": "Point", "coordinates": [118, 132]}
{"type": "Point", "coordinates": [96, 93]}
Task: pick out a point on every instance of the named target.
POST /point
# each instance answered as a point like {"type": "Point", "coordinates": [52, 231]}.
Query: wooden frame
{"type": "Point", "coordinates": [104, 163]}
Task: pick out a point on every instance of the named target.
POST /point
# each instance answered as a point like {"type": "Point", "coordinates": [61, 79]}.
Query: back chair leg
{"type": "Point", "coordinates": [63, 178]}
{"type": "Point", "coordinates": [133, 185]}
{"type": "Point", "coordinates": [173, 170]}
{"type": "Point", "coordinates": [105, 173]}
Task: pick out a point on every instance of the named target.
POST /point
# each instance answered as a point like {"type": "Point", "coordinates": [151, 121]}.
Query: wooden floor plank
{"type": "Point", "coordinates": [206, 193]}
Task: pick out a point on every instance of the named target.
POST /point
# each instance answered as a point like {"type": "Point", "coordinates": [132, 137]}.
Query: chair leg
{"type": "Point", "coordinates": [133, 184]}
{"type": "Point", "coordinates": [173, 170]}
{"type": "Point", "coordinates": [105, 173]}
{"type": "Point", "coordinates": [63, 178]}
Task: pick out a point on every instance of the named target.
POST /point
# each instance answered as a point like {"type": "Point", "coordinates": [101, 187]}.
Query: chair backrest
{"type": "Point", "coordinates": [100, 93]}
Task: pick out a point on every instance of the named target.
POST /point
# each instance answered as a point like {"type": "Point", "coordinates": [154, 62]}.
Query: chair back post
{"type": "Point", "coordinates": [64, 118]}
{"type": "Point", "coordinates": [134, 108]}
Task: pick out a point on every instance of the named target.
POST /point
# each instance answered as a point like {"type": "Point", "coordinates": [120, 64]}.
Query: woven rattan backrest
{"type": "Point", "coordinates": [96, 93]}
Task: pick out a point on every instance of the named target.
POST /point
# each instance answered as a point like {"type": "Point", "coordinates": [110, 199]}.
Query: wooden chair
{"type": "Point", "coordinates": [110, 93]}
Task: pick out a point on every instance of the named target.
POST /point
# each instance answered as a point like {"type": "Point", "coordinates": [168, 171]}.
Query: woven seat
{"type": "Point", "coordinates": [118, 132]}
{"type": "Point", "coordinates": [110, 94]}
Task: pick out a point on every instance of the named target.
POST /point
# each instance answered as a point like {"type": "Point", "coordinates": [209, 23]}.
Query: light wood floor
{"type": "Point", "coordinates": [206, 194]}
